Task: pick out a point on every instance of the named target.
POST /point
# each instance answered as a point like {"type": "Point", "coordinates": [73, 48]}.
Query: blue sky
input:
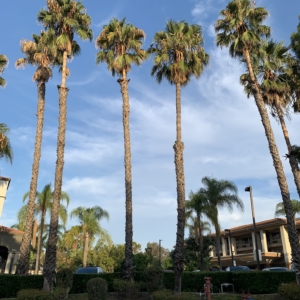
{"type": "Point", "coordinates": [222, 131]}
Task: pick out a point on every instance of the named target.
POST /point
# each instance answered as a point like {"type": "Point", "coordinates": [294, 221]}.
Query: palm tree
{"type": "Point", "coordinates": [199, 205]}
{"type": "Point", "coordinates": [73, 237]}
{"type": "Point", "coordinates": [66, 18]}
{"type": "Point", "coordinates": [5, 147]}
{"type": "Point", "coordinates": [120, 47]}
{"type": "Point", "coordinates": [240, 28]}
{"type": "Point", "coordinates": [179, 55]}
{"type": "Point", "coordinates": [42, 205]}
{"type": "Point", "coordinates": [89, 219]}
{"type": "Point", "coordinates": [220, 194]}
{"type": "Point", "coordinates": [295, 38]}
{"type": "Point", "coordinates": [280, 210]}
{"type": "Point", "coordinates": [37, 53]}
{"type": "Point", "coordinates": [3, 65]}
{"type": "Point", "coordinates": [271, 65]}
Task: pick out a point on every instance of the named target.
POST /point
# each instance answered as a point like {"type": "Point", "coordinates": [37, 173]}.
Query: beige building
{"type": "Point", "coordinates": [10, 242]}
{"type": "Point", "coordinates": [272, 239]}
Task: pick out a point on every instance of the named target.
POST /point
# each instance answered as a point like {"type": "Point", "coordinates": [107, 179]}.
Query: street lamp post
{"type": "Point", "coordinates": [232, 259]}
{"type": "Point", "coordinates": [159, 252]}
{"type": "Point", "coordinates": [249, 189]}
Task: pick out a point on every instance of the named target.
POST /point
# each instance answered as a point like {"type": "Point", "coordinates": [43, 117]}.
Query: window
{"type": "Point", "coordinates": [275, 236]}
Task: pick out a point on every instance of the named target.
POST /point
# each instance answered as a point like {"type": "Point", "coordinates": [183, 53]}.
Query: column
{"type": "Point", "coordinates": [286, 246]}
{"type": "Point", "coordinates": [224, 252]}
{"type": "Point", "coordinates": [229, 245]}
{"type": "Point", "coordinates": [14, 267]}
{"type": "Point", "coordinates": [233, 240]}
{"type": "Point", "coordinates": [8, 263]}
{"type": "Point", "coordinates": [263, 241]}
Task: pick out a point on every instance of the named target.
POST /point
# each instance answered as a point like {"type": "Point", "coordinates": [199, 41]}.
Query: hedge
{"type": "Point", "coordinates": [256, 282]}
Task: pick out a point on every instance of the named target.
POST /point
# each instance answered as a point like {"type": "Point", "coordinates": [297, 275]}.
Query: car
{"type": "Point", "coordinates": [277, 269]}
{"type": "Point", "coordinates": [89, 270]}
{"type": "Point", "coordinates": [237, 268]}
{"type": "Point", "coordinates": [196, 271]}
{"type": "Point", "coordinates": [214, 269]}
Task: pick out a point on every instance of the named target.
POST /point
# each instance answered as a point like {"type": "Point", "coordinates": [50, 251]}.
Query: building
{"type": "Point", "coordinates": [272, 239]}
{"type": "Point", "coordinates": [10, 242]}
{"type": "Point", "coordinates": [4, 184]}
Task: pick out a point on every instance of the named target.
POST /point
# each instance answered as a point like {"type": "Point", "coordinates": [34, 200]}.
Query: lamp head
{"type": "Point", "coordinates": [247, 189]}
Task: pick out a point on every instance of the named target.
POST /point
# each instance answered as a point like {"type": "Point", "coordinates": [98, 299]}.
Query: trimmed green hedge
{"type": "Point", "coordinates": [11, 284]}
{"type": "Point", "coordinates": [257, 282]}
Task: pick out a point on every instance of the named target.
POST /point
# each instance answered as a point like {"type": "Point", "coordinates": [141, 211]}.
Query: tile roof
{"type": "Point", "coordinates": [8, 230]}
{"type": "Point", "coordinates": [5, 179]}
{"type": "Point", "coordinates": [262, 224]}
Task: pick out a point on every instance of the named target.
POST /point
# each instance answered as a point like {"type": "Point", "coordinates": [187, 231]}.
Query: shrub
{"type": "Point", "coordinates": [126, 288]}
{"type": "Point", "coordinates": [33, 294]}
{"type": "Point", "coordinates": [154, 277]}
{"type": "Point", "coordinates": [64, 278]}
{"type": "Point", "coordinates": [289, 291]}
{"type": "Point", "coordinates": [97, 289]}
{"type": "Point", "coordinates": [168, 295]}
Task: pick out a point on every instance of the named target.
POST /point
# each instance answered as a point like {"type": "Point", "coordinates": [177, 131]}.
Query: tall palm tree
{"type": "Point", "coordinates": [89, 219]}
{"type": "Point", "coordinates": [37, 53]}
{"type": "Point", "coordinates": [179, 55]}
{"type": "Point", "coordinates": [198, 205]}
{"type": "Point", "coordinates": [42, 205]}
{"type": "Point", "coordinates": [271, 65]}
{"type": "Point", "coordinates": [66, 18]}
{"type": "Point", "coordinates": [3, 65]}
{"type": "Point", "coordinates": [120, 47]}
{"type": "Point", "coordinates": [5, 147]}
{"type": "Point", "coordinates": [240, 28]}
{"type": "Point", "coordinates": [280, 210]}
{"type": "Point", "coordinates": [295, 38]}
{"type": "Point", "coordinates": [220, 194]}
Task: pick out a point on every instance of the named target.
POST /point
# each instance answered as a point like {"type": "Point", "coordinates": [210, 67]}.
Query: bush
{"type": "Point", "coordinates": [64, 278]}
{"type": "Point", "coordinates": [289, 291]}
{"type": "Point", "coordinates": [97, 289]}
{"type": "Point", "coordinates": [126, 288]}
{"type": "Point", "coordinates": [154, 277]}
{"type": "Point", "coordinates": [33, 294]}
{"type": "Point", "coordinates": [258, 282]}
{"type": "Point", "coordinates": [168, 295]}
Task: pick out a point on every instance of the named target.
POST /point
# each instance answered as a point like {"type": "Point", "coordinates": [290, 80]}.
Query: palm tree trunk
{"type": "Point", "coordinates": [292, 231]}
{"type": "Point", "coordinates": [179, 169]}
{"type": "Point", "coordinates": [201, 243]}
{"type": "Point", "coordinates": [86, 249]}
{"type": "Point", "coordinates": [34, 230]}
{"type": "Point", "coordinates": [218, 246]}
{"type": "Point", "coordinates": [292, 159]}
{"type": "Point", "coordinates": [40, 241]}
{"type": "Point", "coordinates": [24, 250]}
{"type": "Point", "coordinates": [50, 259]}
{"type": "Point", "coordinates": [128, 264]}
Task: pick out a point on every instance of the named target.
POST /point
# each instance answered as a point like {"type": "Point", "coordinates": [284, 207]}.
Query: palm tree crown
{"type": "Point", "coordinates": [280, 210]}
{"type": "Point", "coordinates": [179, 53]}
{"type": "Point", "coordinates": [66, 18]}
{"type": "Point", "coordinates": [40, 52]}
{"type": "Point", "coordinates": [5, 147]}
{"type": "Point", "coordinates": [240, 26]}
{"type": "Point", "coordinates": [3, 65]}
{"type": "Point", "coordinates": [120, 46]}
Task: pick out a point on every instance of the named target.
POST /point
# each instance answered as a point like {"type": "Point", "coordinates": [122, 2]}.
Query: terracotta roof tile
{"type": "Point", "coordinates": [10, 230]}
